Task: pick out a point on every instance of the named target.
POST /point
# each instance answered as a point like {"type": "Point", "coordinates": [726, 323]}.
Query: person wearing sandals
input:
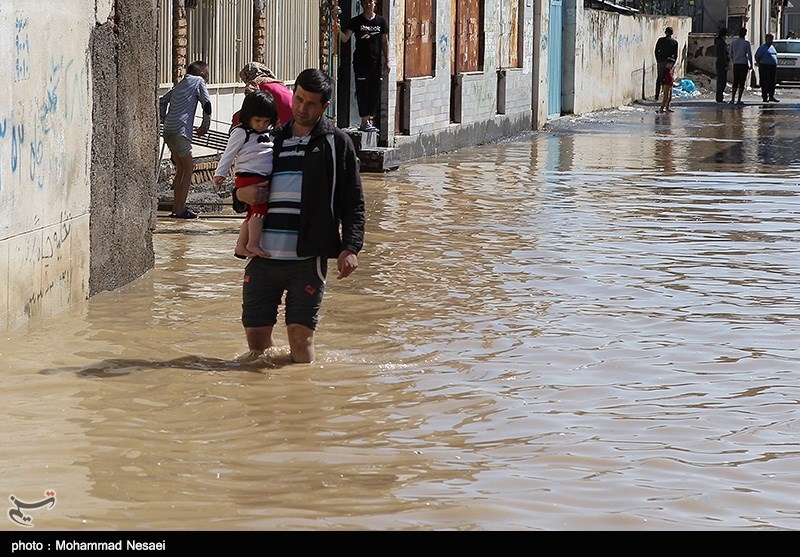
{"type": "Point", "coordinates": [177, 108]}
{"type": "Point", "coordinates": [370, 60]}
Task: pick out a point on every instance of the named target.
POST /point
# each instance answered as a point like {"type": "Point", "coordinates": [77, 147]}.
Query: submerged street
{"type": "Point", "coordinates": [591, 328]}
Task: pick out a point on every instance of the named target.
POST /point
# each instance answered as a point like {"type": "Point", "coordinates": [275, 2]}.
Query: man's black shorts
{"type": "Point", "coordinates": [265, 281]}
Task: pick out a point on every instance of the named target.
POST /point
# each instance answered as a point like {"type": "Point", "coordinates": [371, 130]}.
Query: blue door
{"type": "Point", "coordinates": [554, 61]}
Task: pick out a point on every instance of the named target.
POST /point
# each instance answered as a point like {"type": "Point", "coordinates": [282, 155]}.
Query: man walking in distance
{"type": "Point", "coordinates": [370, 60]}
{"type": "Point", "coordinates": [666, 47]}
{"type": "Point", "coordinates": [315, 211]}
{"type": "Point", "coordinates": [722, 64]}
{"type": "Point", "coordinates": [766, 58]}
{"type": "Point", "coordinates": [742, 59]}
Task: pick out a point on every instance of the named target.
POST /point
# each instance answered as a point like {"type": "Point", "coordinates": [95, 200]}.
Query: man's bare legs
{"type": "Point", "coordinates": [301, 343]}
{"type": "Point", "coordinates": [259, 338]}
{"type": "Point", "coordinates": [180, 184]}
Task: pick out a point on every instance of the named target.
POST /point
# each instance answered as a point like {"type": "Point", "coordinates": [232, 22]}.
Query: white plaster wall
{"type": "Point", "coordinates": [614, 59]}
{"type": "Point", "coordinates": [45, 140]}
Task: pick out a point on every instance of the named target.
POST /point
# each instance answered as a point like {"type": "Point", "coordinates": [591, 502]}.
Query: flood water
{"type": "Point", "coordinates": [592, 328]}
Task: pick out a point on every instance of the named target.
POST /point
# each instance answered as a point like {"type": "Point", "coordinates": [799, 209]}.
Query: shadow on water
{"type": "Point", "coordinates": [115, 367]}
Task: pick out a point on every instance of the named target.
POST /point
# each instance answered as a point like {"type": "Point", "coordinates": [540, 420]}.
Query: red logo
{"type": "Point", "coordinates": [310, 289]}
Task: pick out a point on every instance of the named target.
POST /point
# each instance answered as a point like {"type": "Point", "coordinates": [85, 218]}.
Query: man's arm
{"type": "Point", "coordinates": [205, 102]}
{"type": "Point", "coordinates": [163, 102]}
{"type": "Point", "coordinates": [385, 49]}
{"type": "Point", "coordinates": [352, 199]}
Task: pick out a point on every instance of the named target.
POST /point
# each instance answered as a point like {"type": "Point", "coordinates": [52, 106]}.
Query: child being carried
{"type": "Point", "coordinates": [250, 149]}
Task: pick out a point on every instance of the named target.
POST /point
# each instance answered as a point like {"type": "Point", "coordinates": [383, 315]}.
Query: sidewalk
{"type": "Point", "coordinates": [707, 94]}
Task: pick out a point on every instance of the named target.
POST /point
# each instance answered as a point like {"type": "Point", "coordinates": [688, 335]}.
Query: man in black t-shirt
{"type": "Point", "coordinates": [370, 60]}
{"type": "Point", "coordinates": [666, 47]}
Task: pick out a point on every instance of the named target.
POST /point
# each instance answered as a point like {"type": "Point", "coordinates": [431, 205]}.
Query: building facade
{"type": "Point", "coordinates": [79, 143]}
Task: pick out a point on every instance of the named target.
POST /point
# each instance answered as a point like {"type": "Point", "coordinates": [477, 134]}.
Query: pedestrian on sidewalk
{"type": "Point", "coordinates": [766, 58]}
{"type": "Point", "coordinates": [177, 109]}
{"type": "Point", "coordinates": [666, 47]}
{"type": "Point", "coordinates": [742, 59]}
{"type": "Point", "coordinates": [722, 63]}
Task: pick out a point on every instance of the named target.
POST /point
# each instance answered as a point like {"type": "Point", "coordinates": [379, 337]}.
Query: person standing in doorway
{"type": "Point", "coordinates": [666, 47]}
{"type": "Point", "coordinates": [370, 60]}
{"type": "Point", "coordinates": [766, 58]}
{"type": "Point", "coordinates": [742, 59]}
{"type": "Point", "coordinates": [315, 212]}
{"type": "Point", "coordinates": [722, 64]}
{"type": "Point", "coordinates": [177, 108]}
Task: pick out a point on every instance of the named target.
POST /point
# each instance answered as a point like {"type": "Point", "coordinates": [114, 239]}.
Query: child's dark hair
{"type": "Point", "coordinates": [314, 80]}
{"type": "Point", "coordinates": [260, 104]}
{"type": "Point", "coordinates": [197, 68]}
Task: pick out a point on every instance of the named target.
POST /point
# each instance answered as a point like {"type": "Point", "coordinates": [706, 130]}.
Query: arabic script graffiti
{"type": "Point", "coordinates": [18, 516]}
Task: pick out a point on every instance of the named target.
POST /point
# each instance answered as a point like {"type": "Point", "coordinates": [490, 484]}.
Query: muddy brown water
{"type": "Point", "coordinates": [592, 328]}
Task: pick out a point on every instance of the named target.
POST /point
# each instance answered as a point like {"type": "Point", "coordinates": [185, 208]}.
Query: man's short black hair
{"type": "Point", "coordinates": [315, 80]}
{"type": "Point", "coordinates": [668, 30]}
{"type": "Point", "coordinates": [743, 32]}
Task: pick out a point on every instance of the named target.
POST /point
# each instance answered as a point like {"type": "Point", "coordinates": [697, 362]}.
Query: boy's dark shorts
{"type": "Point", "coordinates": [265, 281]}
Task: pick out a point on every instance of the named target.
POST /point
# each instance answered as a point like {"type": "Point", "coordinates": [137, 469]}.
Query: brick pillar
{"type": "Point", "coordinates": [259, 30]}
{"type": "Point", "coordinates": [327, 23]}
{"type": "Point", "coordinates": [179, 40]}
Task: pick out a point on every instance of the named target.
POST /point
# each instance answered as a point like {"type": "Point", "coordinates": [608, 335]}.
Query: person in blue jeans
{"type": "Point", "coordinates": [766, 58]}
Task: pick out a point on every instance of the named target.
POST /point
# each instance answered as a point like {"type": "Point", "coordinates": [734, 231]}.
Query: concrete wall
{"type": "Point", "coordinates": [614, 62]}
{"type": "Point", "coordinates": [78, 144]}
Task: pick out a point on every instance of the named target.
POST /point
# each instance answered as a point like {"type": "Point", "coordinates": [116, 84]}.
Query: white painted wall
{"type": "Point", "coordinates": [614, 56]}
{"type": "Point", "coordinates": [45, 144]}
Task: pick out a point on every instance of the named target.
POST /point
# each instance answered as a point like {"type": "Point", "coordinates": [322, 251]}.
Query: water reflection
{"type": "Point", "coordinates": [590, 328]}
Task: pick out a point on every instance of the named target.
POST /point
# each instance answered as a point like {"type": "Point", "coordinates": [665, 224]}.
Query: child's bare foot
{"type": "Point", "coordinates": [256, 251]}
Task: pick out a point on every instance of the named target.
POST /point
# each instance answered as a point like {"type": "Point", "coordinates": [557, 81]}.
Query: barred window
{"type": "Point", "coordinates": [220, 32]}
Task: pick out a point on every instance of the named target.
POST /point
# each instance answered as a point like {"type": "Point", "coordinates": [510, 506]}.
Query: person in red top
{"type": "Point", "coordinates": [666, 79]}
{"type": "Point", "coordinates": [258, 77]}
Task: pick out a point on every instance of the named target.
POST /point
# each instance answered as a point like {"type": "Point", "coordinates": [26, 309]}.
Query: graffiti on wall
{"type": "Point", "coordinates": [22, 49]}
{"type": "Point", "coordinates": [32, 145]}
